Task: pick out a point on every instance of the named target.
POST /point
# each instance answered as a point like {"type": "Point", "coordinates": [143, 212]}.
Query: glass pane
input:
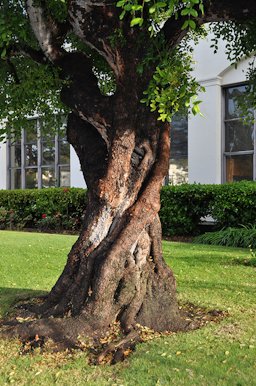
{"type": "Point", "coordinates": [31, 132]}
{"type": "Point", "coordinates": [47, 132]}
{"type": "Point", "coordinates": [64, 152]}
{"type": "Point", "coordinates": [64, 176]}
{"type": "Point", "coordinates": [238, 137]}
{"type": "Point", "coordinates": [15, 175]}
{"type": "Point", "coordinates": [232, 95]}
{"type": "Point", "coordinates": [48, 178]}
{"type": "Point", "coordinates": [15, 156]}
{"type": "Point", "coordinates": [178, 171]}
{"type": "Point", "coordinates": [239, 168]}
{"type": "Point", "coordinates": [31, 155]}
{"type": "Point", "coordinates": [62, 132]}
{"type": "Point", "coordinates": [48, 153]}
{"type": "Point", "coordinates": [31, 178]}
{"type": "Point", "coordinates": [179, 137]}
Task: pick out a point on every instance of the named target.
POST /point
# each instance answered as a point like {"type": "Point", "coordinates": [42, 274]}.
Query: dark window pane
{"type": "Point", "coordinates": [232, 95]}
{"type": "Point", "coordinates": [15, 175]}
{"type": "Point", "coordinates": [31, 132]}
{"type": "Point", "coordinates": [31, 155]}
{"type": "Point", "coordinates": [64, 176]}
{"type": "Point", "coordinates": [178, 170]}
{"type": "Point", "coordinates": [48, 178]}
{"type": "Point", "coordinates": [15, 155]}
{"type": "Point", "coordinates": [64, 152]}
{"type": "Point", "coordinates": [239, 167]}
{"type": "Point", "coordinates": [31, 178]}
{"type": "Point", "coordinates": [48, 153]}
{"type": "Point", "coordinates": [179, 136]}
{"type": "Point", "coordinates": [238, 137]}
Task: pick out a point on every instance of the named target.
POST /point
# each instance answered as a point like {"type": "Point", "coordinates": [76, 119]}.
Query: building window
{"type": "Point", "coordinates": [178, 169]}
{"type": "Point", "coordinates": [239, 140]}
{"type": "Point", "coordinates": [38, 159]}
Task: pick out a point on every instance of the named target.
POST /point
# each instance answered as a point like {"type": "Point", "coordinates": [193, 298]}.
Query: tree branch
{"type": "Point", "coordinates": [214, 11]}
{"type": "Point", "coordinates": [25, 50]}
{"type": "Point", "coordinates": [48, 32]}
{"type": "Point", "coordinates": [94, 22]}
{"type": "Point", "coordinates": [82, 93]}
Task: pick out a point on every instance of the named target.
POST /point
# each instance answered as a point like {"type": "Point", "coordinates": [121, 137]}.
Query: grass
{"type": "Point", "coordinates": [218, 354]}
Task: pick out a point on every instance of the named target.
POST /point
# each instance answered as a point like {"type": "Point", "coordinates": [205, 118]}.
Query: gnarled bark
{"type": "Point", "coordinates": [115, 271]}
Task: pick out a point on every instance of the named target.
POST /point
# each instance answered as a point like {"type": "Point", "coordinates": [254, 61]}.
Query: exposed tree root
{"type": "Point", "coordinates": [110, 345]}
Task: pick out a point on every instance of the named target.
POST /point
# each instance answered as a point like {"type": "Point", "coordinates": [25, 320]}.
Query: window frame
{"type": "Point", "coordinates": [226, 154]}
{"type": "Point", "coordinates": [57, 139]}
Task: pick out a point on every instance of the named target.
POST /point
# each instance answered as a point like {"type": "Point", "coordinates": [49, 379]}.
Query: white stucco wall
{"type": "Point", "coordinates": [213, 71]}
{"type": "Point", "coordinates": [76, 176]}
{"type": "Point", "coordinates": [3, 166]}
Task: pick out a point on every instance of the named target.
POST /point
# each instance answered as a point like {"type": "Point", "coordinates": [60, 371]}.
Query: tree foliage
{"type": "Point", "coordinates": [31, 84]}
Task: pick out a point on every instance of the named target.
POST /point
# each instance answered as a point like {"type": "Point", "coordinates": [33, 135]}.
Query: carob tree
{"type": "Point", "coordinates": [115, 271]}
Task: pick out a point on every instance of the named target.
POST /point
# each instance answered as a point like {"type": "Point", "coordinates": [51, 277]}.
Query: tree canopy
{"type": "Point", "coordinates": [31, 82]}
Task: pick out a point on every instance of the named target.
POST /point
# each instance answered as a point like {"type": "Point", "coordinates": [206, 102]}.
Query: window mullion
{"type": "Point", "coordinates": [39, 154]}
{"type": "Point", "coordinates": [23, 159]}
{"type": "Point", "coordinates": [56, 163]}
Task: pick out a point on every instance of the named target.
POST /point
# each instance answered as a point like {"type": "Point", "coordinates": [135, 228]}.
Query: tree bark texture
{"type": "Point", "coordinates": [115, 271]}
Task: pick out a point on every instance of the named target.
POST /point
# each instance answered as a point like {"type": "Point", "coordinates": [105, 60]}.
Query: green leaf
{"type": "Point", "coordinates": [185, 24]}
{"type": "Point", "coordinates": [122, 15]}
{"type": "Point", "coordinates": [193, 12]}
{"type": "Point", "coordinates": [120, 3]}
{"type": "Point", "coordinates": [136, 21]}
{"type": "Point", "coordinates": [185, 11]}
{"type": "Point", "coordinates": [192, 24]}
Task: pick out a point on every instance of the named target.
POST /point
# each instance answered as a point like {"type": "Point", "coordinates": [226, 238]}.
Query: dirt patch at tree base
{"type": "Point", "coordinates": [109, 346]}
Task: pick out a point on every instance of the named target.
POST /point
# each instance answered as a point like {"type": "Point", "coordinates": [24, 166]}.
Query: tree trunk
{"type": "Point", "coordinates": [115, 271]}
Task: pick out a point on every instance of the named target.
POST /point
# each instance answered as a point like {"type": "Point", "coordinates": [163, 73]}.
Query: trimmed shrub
{"type": "Point", "coordinates": [182, 207]}
{"type": "Point", "coordinates": [235, 204]}
{"type": "Point", "coordinates": [230, 205]}
{"type": "Point", "coordinates": [45, 209]}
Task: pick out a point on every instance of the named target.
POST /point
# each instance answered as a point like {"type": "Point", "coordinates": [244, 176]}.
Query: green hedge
{"type": "Point", "coordinates": [230, 205]}
{"type": "Point", "coordinates": [182, 207]}
{"type": "Point", "coordinates": [45, 209]}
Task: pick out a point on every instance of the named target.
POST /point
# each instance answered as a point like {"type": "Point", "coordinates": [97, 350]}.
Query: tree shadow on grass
{"type": "Point", "coordinates": [9, 297]}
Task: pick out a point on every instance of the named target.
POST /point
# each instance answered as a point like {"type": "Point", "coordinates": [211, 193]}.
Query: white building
{"type": "Point", "coordinates": [211, 149]}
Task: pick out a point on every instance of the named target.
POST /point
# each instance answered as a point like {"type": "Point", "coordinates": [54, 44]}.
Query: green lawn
{"type": "Point", "coordinates": [218, 354]}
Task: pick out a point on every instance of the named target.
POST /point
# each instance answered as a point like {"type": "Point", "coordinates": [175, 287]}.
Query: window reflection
{"type": "Point", "coordinates": [64, 176]}
{"type": "Point", "coordinates": [15, 155]}
{"type": "Point", "coordinates": [48, 153]}
{"type": "Point", "coordinates": [231, 101]}
{"type": "Point", "coordinates": [31, 178]}
{"type": "Point", "coordinates": [239, 138]}
{"type": "Point", "coordinates": [31, 155]}
{"type": "Point", "coordinates": [178, 169]}
{"type": "Point", "coordinates": [48, 178]}
{"type": "Point", "coordinates": [34, 160]}
{"type": "Point", "coordinates": [64, 151]}
{"type": "Point", "coordinates": [15, 179]}
{"type": "Point", "coordinates": [239, 168]}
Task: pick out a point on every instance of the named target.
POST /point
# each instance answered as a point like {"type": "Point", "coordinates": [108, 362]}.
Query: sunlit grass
{"type": "Point", "coordinates": [218, 354]}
